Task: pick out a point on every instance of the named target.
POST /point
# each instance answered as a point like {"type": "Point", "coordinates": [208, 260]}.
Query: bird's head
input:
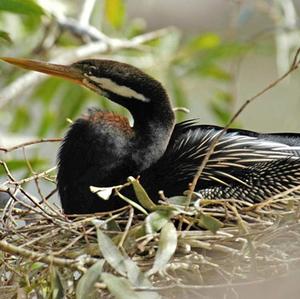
{"type": "Point", "coordinates": [120, 82]}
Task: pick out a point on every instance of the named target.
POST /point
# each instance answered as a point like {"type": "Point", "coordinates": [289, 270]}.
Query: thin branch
{"type": "Point", "coordinates": [45, 258]}
{"type": "Point", "coordinates": [294, 66]}
{"type": "Point", "coordinates": [28, 143]}
{"type": "Point", "coordinates": [86, 12]}
{"type": "Point", "coordinates": [82, 30]}
{"type": "Point", "coordinates": [34, 177]}
{"type": "Point", "coordinates": [127, 228]}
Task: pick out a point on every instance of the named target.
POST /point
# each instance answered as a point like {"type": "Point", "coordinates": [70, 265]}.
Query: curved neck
{"type": "Point", "coordinates": [153, 127]}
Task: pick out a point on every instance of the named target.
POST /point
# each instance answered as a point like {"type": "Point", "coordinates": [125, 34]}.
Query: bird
{"type": "Point", "coordinates": [102, 149]}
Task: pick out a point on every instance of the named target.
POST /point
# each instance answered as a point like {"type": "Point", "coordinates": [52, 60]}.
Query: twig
{"type": "Point", "coordinates": [34, 177]}
{"type": "Point", "coordinates": [7, 171]}
{"type": "Point", "coordinates": [28, 143]}
{"type": "Point", "coordinates": [35, 256]}
{"type": "Point", "coordinates": [127, 228]}
{"type": "Point", "coordinates": [294, 66]}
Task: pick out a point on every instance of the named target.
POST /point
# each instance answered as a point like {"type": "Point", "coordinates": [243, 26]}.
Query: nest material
{"type": "Point", "coordinates": [44, 251]}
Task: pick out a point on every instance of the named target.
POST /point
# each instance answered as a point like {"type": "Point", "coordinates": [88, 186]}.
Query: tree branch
{"type": "Point", "coordinates": [45, 258]}
{"type": "Point", "coordinates": [28, 143]}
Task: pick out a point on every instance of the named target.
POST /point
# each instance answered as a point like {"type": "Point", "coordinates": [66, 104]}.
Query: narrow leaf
{"type": "Point", "coordinates": [135, 275]}
{"type": "Point", "coordinates": [209, 222]}
{"type": "Point", "coordinates": [27, 7]}
{"type": "Point", "coordinates": [122, 264]}
{"type": "Point", "coordinates": [166, 248]}
{"type": "Point", "coordinates": [132, 203]}
{"type": "Point", "coordinates": [178, 200]}
{"type": "Point", "coordinates": [85, 288]}
{"type": "Point", "coordinates": [5, 36]}
{"type": "Point", "coordinates": [156, 220]}
{"type": "Point", "coordinates": [205, 41]}
{"type": "Point", "coordinates": [115, 12]}
{"type": "Point", "coordinates": [121, 288]}
{"type": "Point", "coordinates": [142, 195]}
{"type": "Point", "coordinates": [111, 253]}
{"type": "Point", "coordinates": [58, 291]}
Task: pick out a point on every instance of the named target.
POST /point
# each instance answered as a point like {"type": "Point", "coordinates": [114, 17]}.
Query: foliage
{"type": "Point", "coordinates": [125, 255]}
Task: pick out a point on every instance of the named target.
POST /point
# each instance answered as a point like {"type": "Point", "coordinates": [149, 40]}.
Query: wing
{"type": "Point", "coordinates": [260, 181]}
{"type": "Point", "coordinates": [235, 153]}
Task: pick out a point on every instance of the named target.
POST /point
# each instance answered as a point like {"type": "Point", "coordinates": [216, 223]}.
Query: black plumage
{"type": "Point", "coordinates": [102, 149]}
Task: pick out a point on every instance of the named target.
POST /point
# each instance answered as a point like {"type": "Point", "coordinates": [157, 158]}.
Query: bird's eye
{"type": "Point", "coordinates": [90, 69]}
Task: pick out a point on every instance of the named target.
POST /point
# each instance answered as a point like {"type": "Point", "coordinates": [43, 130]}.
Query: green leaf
{"type": "Point", "coordinates": [85, 287]}
{"type": "Point", "coordinates": [46, 123]}
{"type": "Point", "coordinates": [220, 113]}
{"type": "Point", "coordinates": [166, 248]}
{"type": "Point", "coordinates": [21, 119]}
{"type": "Point", "coordinates": [37, 266]}
{"type": "Point", "coordinates": [209, 222]}
{"type": "Point", "coordinates": [111, 253]}
{"type": "Point", "coordinates": [156, 220]}
{"type": "Point", "coordinates": [115, 12]}
{"type": "Point", "coordinates": [205, 41]}
{"type": "Point", "coordinates": [71, 102]}
{"type": "Point", "coordinates": [133, 203]}
{"type": "Point", "coordinates": [214, 72]}
{"type": "Point", "coordinates": [122, 264]}
{"type": "Point", "coordinates": [57, 287]}
{"type": "Point", "coordinates": [26, 7]}
{"type": "Point", "coordinates": [142, 195]}
{"type": "Point", "coordinates": [4, 36]}
{"type": "Point", "coordinates": [135, 275]}
{"type": "Point", "coordinates": [121, 288]}
{"type": "Point", "coordinates": [49, 89]}
{"type": "Point", "coordinates": [178, 200]}
{"type": "Point", "coordinates": [222, 106]}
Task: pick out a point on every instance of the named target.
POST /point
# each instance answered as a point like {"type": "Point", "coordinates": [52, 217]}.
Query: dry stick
{"type": "Point", "coordinates": [28, 143]}
{"type": "Point", "coordinates": [48, 259]}
{"type": "Point", "coordinates": [75, 240]}
{"type": "Point", "coordinates": [127, 228]}
{"type": "Point", "coordinates": [34, 177]}
{"type": "Point", "coordinates": [36, 181]}
{"type": "Point", "coordinates": [294, 66]}
{"type": "Point", "coordinates": [18, 186]}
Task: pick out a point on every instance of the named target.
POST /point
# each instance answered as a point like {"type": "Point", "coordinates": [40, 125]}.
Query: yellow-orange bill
{"type": "Point", "coordinates": [64, 71]}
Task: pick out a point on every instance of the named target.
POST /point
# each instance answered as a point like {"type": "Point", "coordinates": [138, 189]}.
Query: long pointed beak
{"type": "Point", "coordinates": [65, 71]}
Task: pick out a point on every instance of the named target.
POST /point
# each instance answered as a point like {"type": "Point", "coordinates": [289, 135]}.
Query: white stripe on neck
{"type": "Point", "coordinates": [120, 90]}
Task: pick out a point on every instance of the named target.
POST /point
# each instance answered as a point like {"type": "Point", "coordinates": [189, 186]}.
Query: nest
{"type": "Point", "coordinates": [204, 250]}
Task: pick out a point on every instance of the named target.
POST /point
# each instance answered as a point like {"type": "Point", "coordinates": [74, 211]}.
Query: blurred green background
{"type": "Point", "coordinates": [210, 55]}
